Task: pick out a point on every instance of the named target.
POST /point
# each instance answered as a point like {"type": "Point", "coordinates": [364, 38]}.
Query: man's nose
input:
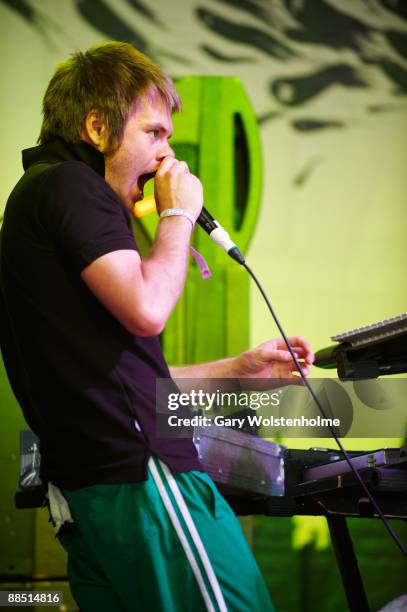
{"type": "Point", "coordinates": [166, 151]}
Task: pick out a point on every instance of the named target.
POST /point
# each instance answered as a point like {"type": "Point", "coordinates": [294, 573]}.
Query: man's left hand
{"type": "Point", "coordinates": [273, 360]}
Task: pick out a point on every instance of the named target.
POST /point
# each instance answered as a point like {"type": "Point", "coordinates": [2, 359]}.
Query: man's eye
{"type": "Point", "coordinates": [153, 132]}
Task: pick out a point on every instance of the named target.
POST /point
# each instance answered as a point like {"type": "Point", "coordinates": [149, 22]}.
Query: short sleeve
{"type": "Point", "coordinates": [84, 215]}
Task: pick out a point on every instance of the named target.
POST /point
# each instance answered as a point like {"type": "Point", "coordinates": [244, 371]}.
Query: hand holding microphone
{"type": "Point", "coordinates": [177, 192]}
{"type": "Point", "coordinates": [175, 188]}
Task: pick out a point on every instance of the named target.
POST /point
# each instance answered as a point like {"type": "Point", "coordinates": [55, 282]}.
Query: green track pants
{"type": "Point", "coordinates": [169, 544]}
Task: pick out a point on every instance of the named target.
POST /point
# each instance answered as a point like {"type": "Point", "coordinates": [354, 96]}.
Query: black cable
{"type": "Point", "coordinates": [386, 523]}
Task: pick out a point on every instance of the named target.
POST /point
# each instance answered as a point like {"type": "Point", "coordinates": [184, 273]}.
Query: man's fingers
{"type": "Point", "coordinates": [166, 165]}
{"type": "Point", "coordinates": [180, 167]}
{"type": "Point", "coordinates": [173, 166]}
{"type": "Point", "coordinates": [295, 341]}
{"type": "Point", "coordinates": [301, 347]}
{"type": "Point", "coordinates": [304, 353]}
{"type": "Point", "coordinates": [269, 355]}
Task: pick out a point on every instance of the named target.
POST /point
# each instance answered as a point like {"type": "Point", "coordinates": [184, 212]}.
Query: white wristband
{"type": "Point", "coordinates": [178, 212]}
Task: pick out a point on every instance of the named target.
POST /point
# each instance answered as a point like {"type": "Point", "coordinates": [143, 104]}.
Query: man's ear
{"type": "Point", "coordinates": [95, 130]}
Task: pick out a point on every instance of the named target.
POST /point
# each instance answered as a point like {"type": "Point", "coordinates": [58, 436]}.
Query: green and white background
{"type": "Point", "coordinates": [328, 83]}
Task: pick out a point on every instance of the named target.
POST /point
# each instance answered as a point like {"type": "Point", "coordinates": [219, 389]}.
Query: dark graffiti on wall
{"type": "Point", "coordinates": [287, 29]}
{"type": "Point", "coordinates": [341, 44]}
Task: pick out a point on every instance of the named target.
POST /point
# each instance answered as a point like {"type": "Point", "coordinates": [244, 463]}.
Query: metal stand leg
{"type": "Point", "coordinates": [347, 563]}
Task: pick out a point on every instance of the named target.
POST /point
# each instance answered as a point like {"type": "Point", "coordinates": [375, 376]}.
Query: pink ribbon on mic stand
{"type": "Point", "coordinates": [202, 265]}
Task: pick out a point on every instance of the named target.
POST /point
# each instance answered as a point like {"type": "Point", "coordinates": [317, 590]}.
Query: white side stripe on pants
{"type": "Point", "coordinates": [178, 528]}
{"type": "Point", "coordinates": [194, 534]}
{"type": "Point", "coordinates": [195, 537]}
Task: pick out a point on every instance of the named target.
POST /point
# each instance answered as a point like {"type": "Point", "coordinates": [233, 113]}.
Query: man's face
{"type": "Point", "coordinates": [144, 145]}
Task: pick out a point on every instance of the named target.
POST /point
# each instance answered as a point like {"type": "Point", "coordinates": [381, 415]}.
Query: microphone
{"type": "Point", "coordinates": [219, 235]}
{"type": "Point", "coordinates": [205, 220]}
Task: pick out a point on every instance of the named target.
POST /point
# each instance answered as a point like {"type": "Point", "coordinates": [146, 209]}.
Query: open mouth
{"type": "Point", "coordinates": [142, 180]}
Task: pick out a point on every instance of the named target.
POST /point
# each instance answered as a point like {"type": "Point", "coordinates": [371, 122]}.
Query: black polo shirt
{"type": "Point", "coordinates": [80, 377]}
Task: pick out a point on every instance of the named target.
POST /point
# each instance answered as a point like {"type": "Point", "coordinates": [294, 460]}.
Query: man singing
{"type": "Point", "coordinates": [81, 312]}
